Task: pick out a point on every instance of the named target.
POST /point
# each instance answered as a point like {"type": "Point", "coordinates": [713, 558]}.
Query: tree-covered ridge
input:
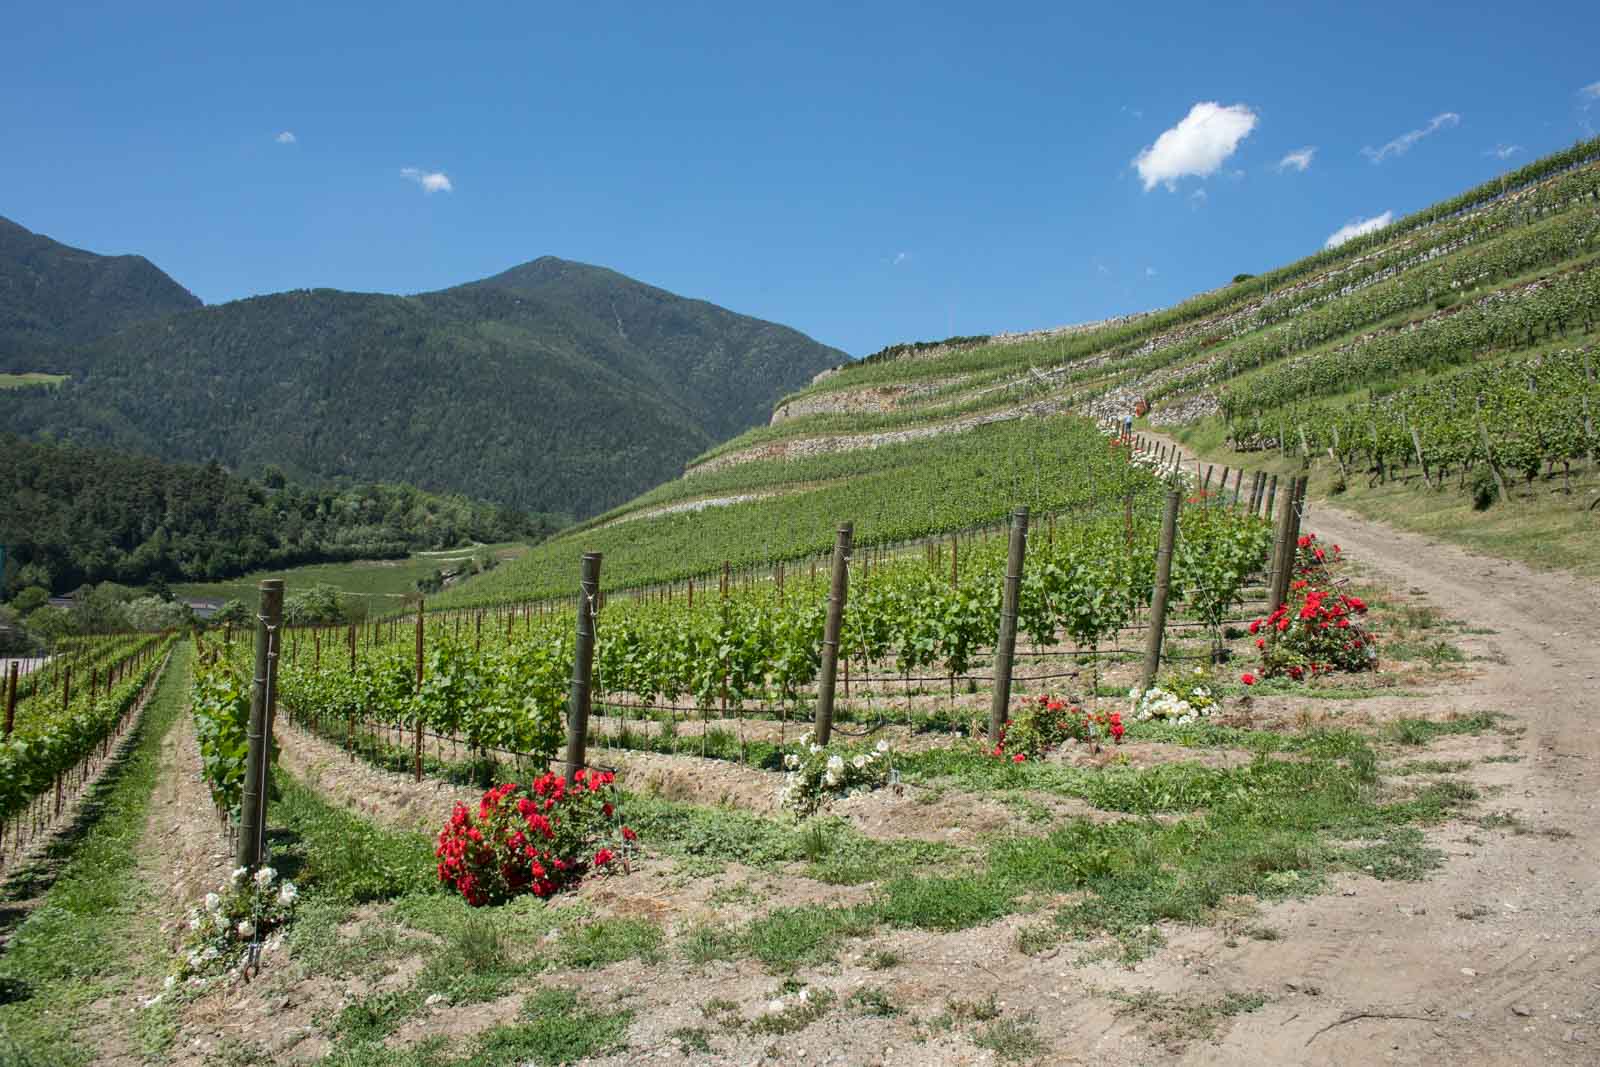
{"type": "Point", "coordinates": [52, 295]}
{"type": "Point", "coordinates": [72, 515]}
{"type": "Point", "coordinates": [514, 391]}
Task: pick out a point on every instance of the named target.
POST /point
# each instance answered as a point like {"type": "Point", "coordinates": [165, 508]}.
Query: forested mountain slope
{"type": "Point", "coordinates": [52, 295]}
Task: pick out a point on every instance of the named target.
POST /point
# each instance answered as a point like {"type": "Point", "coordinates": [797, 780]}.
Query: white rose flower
{"type": "Point", "coordinates": [213, 902]}
{"type": "Point", "coordinates": [194, 922]}
{"type": "Point", "coordinates": [859, 762]}
{"type": "Point", "coordinates": [831, 778]}
{"type": "Point", "coordinates": [246, 928]}
{"type": "Point", "coordinates": [171, 981]}
{"type": "Point", "coordinates": [883, 746]}
{"type": "Point", "coordinates": [287, 894]}
{"type": "Point", "coordinates": [238, 875]}
{"type": "Point", "coordinates": [265, 876]}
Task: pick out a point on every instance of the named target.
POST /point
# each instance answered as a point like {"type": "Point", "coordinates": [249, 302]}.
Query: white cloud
{"type": "Point", "coordinates": [1196, 146]}
{"type": "Point", "coordinates": [1299, 159]}
{"type": "Point", "coordinates": [1357, 228]}
{"type": "Point", "coordinates": [899, 258]}
{"type": "Point", "coordinates": [1590, 91]}
{"type": "Point", "coordinates": [1149, 272]}
{"type": "Point", "coordinates": [1402, 144]}
{"type": "Point", "coordinates": [286, 137]}
{"type": "Point", "coordinates": [1504, 151]}
{"type": "Point", "coordinates": [1197, 199]}
{"type": "Point", "coordinates": [432, 181]}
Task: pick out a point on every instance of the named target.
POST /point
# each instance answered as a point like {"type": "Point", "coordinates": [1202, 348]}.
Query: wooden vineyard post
{"type": "Point", "coordinates": [1238, 484]}
{"type": "Point", "coordinates": [1416, 443]}
{"type": "Point", "coordinates": [1280, 533]}
{"type": "Point", "coordinates": [1290, 536]}
{"type": "Point", "coordinates": [253, 804]}
{"type": "Point", "coordinates": [66, 687]}
{"type": "Point", "coordinates": [11, 701]}
{"type": "Point", "coordinates": [582, 666]}
{"type": "Point", "coordinates": [1127, 519]}
{"type": "Point", "coordinates": [352, 648]}
{"type": "Point", "coordinates": [1488, 451]}
{"type": "Point", "coordinates": [1158, 599]}
{"type": "Point", "coordinates": [1005, 648]}
{"type": "Point", "coordinates": [955, 543]}
{"type": "Point", "coordinates": [1272, 497]}
{"type": "Point", "coordinates": [416, 747]}
{"type": "Point", "coordinates": [838, 589]}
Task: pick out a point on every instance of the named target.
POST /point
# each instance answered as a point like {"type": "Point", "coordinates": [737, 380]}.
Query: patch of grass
{"type": "Point", "coordinates": [788, 938]}
{"type": "Point", "coordinates": [556, 1028]}
{"type": "Point", "coordinates": [708, 943]}
{"type": "Point", "coordinates": [692, 1038]}
{"type": "Point", "coordinates": [87, 938]}
{"type": "Point", "coordinates": [944, 903]}
{"type": "Point", "coordinates": [1014, 1040]}
{"type": "Point", "coordinates": [1434, 653]}
{"type": "Point", "coordinates": [872, 1000]}
{"type": "Point", "coordinates": [612, 940]}
{"type": "Point", "coordinates": [883, 959]}
{"type": "Point", "coordinates": [1431, 766]}
{"type": "Point", "coordinates": [341, 856]}
{"type": "Point", "coordinates": [1175, 1021]}
{"type": "Point", "coordinates": [30, 378]}
{"type": "Point", "coordinates": [806, 1008]}
{"type": "Point", "coordinates": [373, 1018]}
{"type": "Point", "coordinates": [1422, 731]}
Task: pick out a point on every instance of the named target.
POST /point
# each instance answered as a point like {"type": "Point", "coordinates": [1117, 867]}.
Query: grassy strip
{"type": "Point", "coordinates": [86, 941]}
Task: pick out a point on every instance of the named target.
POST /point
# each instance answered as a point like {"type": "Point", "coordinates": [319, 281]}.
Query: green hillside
{"type": "Point", "coordinates": [1481, 308]}
{"type": "Point", "coordinates": [74, 515]}
{"type": "Point", "coordinates": [53, 296]}
{"type": "Point", "coordinates": [554, 387]}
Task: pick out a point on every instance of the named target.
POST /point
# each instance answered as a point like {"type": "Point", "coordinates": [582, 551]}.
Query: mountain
{"type": "Point", "coordinates": [722, 363]}
{"type": "Point", "coordinates": [554, 387]}
{"type": "Point", "coordinates": [52, 295]}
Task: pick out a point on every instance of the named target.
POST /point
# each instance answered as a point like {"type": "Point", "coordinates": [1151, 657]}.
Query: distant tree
{"type": "Point", "coordinates": [49, 623]}
{"type": "Point", "coordinates": [151, 613]}
{"type": "Point", "coordinates": [29, 599]}
{"type": "Point", "coordinates": [317, 606]}
{"type": "Point", "coordinates": [1237, 278]}
{"type": "Point", "coordinates": [233, 613]}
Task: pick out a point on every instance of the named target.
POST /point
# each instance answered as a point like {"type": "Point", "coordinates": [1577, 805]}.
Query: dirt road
{"type": "Point", "coordinates": [1495, 959]}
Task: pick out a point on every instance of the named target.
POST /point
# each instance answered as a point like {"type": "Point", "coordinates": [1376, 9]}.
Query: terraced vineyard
{"type": "Point", "coordinates": [930, 440]}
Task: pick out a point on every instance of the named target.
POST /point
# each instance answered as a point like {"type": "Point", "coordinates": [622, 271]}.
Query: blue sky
{"type": "Point", "coordinates": [866, 173]}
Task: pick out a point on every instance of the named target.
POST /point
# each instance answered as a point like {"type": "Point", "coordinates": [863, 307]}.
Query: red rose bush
{"type": "Point", "coordinates": [540, 839]}
{"type": "Point", "coordinates": [1318, 629]}
{"type": "Point", "coordinates": [1045, 723]}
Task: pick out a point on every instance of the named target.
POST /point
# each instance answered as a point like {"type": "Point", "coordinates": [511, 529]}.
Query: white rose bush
{"type": "Point", "coordinates": [1179, 698]}
{"type": "Point", "coordinates": [817, 774]}
{"type": "Point", "coordinates": [222, 927]}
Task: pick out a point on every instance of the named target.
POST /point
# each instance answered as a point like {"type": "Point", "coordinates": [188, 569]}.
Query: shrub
{"type": "Point", "coordinates": [1180, 697]}
{"type": "Point", "coordinates": [222, 929]}
{"type": "Point", "coordinates": [817, 774]}
{"type": "Point", "coordinates": [539, 840]}
{"type": "Point", "coordinates": [1319, 628]}
{"type": "Point", "coordinates": [1046, 723]}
